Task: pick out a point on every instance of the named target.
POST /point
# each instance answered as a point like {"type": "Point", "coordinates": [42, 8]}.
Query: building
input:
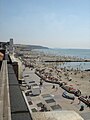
{"type": "Point", "coordinates": [11, 46]}
{"type": "Point", "coordinates": [12, 103]}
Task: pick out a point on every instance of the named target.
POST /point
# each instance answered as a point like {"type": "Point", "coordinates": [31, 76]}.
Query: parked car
{"type": "Point", "coordinates": [68, 95]}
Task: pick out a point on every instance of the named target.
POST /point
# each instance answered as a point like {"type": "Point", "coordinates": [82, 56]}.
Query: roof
{"type": "Point", "coordinates": [19, 109]}
{"type": "Point", "coordinates": [57, 115]}
{"type": "Point", "coordinates": [86, 115]}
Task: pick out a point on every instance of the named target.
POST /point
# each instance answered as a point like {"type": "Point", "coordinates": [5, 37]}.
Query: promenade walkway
{"type": "Point", "coordinates": [47, 93]}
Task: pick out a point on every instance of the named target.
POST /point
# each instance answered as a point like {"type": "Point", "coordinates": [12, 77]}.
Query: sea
{"type": "Point", "coordinates": [79, 53]}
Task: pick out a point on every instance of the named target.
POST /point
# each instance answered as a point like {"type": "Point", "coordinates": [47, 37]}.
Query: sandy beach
{"type": "Point", "coordinates": [80, 79]}
{"type": "Point", "coordinates": [53, 72]}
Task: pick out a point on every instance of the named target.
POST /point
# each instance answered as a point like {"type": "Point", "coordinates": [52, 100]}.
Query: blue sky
{"type": "Point", "coordinates": [51, 23]}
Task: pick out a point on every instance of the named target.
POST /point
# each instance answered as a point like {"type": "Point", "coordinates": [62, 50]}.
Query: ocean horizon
{"type": "Point", "coordinates": [79, 53]}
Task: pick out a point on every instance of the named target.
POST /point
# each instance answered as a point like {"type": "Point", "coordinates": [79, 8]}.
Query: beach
{"type": "Point", "coordinates": [55, 81]}
{"type": "Point", "coordinates": [80, 79]}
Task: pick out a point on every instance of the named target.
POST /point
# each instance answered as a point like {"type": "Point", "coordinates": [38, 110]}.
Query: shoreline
{"type": "Point", "coordinates": [80, 79]}
{"type": "Point", "coordinates": [54, 74]}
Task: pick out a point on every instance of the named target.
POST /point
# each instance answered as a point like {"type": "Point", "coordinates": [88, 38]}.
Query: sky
{"type": "Point", "coordinates": [51, 23]}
